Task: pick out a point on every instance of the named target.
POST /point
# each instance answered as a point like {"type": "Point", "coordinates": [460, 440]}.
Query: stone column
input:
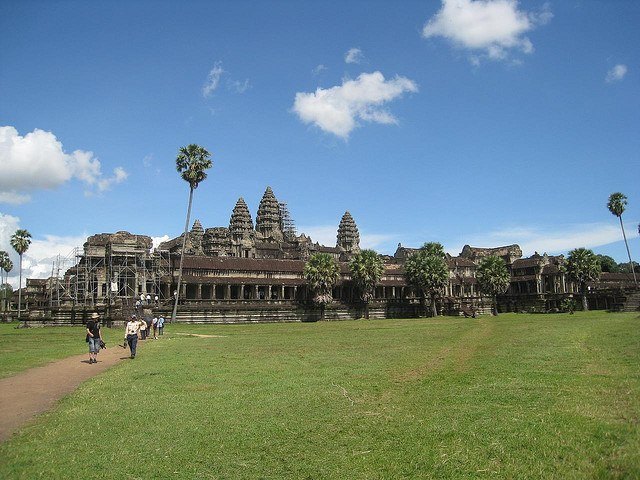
{"type": "Point", "coordinates": [227, 292]}
{"type": "Point", "coordinates": [282, 292]}
{"type": "Point", "coordinates": [241, 292]}
{"type": "Point", "coordinates": [199, 291]}
{"type": "Point", "coordinates": [255, 292]}
{"type": "Point", "coordinates": [269, 292]}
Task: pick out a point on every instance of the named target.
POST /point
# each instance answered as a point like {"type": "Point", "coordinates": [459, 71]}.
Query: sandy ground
{"type": "Point", "coordinates": [37, 390]}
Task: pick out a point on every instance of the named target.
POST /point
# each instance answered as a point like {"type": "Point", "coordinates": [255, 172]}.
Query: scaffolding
{"type": "Point", "coordinates": [107, 274]}
{"type": "Point", "coordinates": [287, 225]}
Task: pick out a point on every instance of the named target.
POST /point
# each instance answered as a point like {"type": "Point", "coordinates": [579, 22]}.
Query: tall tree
{"type": "Point", "coordinates": [616, 205]}
{"type": "Point", "coordinates": [192, 162]}
{"type": "Point", "coordinates": [4, 258]}
{"type": "Point", "coordinates": [493, 277]}
{"type": "Point", "coordinates": [583, 266]}
{"type": "Point", "coordinates": [321, 272]}
{"type": "Point", "coordinates": [427, 271]}
{"type": "Point", "coordinates": [20, 242]}
{"type": "Point", "coordinates": [366, 269]}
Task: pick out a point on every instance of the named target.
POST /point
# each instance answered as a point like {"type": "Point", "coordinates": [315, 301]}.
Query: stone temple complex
{"type": "Point", "coordinates": [247, 272]}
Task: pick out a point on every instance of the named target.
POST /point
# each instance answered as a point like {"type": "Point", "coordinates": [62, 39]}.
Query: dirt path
{"type": "Point", "coordinates": [37, 390]}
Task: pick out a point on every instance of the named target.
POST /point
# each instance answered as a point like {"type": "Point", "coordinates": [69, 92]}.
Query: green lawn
{"type": "Point", "coordinates": [517, 396]}
{"type": "Point", "coordinates": [22, 348]}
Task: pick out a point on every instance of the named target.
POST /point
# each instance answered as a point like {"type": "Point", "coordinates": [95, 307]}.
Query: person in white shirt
{"type": "Point", "coordinates": [131, 334]}
{"type": "Point", "coordinates": [143, 329]}
{"type": "Point", "coordinates": [154, 325]}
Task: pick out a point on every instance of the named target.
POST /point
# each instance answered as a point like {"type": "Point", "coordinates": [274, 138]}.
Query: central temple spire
{"type": "Point", "coordinates": [268, 221]}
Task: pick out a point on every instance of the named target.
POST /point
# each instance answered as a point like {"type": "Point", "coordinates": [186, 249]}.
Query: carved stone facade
{"type": "Point", "coordinates": [242, 273]}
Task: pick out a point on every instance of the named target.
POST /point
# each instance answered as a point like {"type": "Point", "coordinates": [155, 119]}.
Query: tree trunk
{"type": "Point", "coordinates": [585, 304]}
{"type": "Point", "coordinates": [366, 310]}
{"type": "Point", "coordinates": [20, 288]}
{"type": "Point", "coordinates": [434, 308]}
{"type": "Point", "coordinates": [494, 306]}
{"type": "Point", "coordinates": [628, 253]}
{"type": "Point", "coordinates": [322, 311]}
{"type": "Point", "coordinates": [184, 243]}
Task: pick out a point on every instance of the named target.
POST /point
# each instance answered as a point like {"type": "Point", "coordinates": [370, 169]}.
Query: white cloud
{"type": "Point", "coordinates": [213, 79]}
{"type": "Point", "coordinates": [494, 27]}
{"type": "Point", "coordinates": [158, 240]}
{"type": "Point", "coordinates": [38, 260]}
{"type": "Point", "coordinates": [119, 176]}
{"type": "Point", "coordinates": [616, 74]}
{"type": "Point", "coordinates": [238, 86]}
{"type": "Point", "coordinates": [380, 242]}
{"type": "Point", "coordinates": [552, 240]}
{"type": "Point", "coordinates": [337, 109]}
{"type": "Point", "coordinates": [353, 55]}
{"type": "Point", "coordinates": [319, 69]}
{"type": "Point", "coordinates": [38, 161]}
{"type": "Point", "coordinates": [14, 198]}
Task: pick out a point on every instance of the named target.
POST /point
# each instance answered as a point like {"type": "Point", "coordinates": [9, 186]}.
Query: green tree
{"type": "Point", "coordinates": [608, 264]}
{"type": "Point", "coordinates": [20, 242]}
{"type": "Point", "coordinates": [5, 266]}
{"type": "Point", "coordinates": [192, 162]}
{"type": "Point", "coordinates": [582, 267]}
{"type": "Point", "coordinates": [616, 205]}
{"type": "Point", "coordinates": [493, 277]}
{"type": "Point", "coordinates": [428, 272]}
{"type": "Point", "coordinates": [626, 268]}
{"type": "Point", "coordinates": [366, 269]}
{"type": "Point", "coordinates": [321, 272]}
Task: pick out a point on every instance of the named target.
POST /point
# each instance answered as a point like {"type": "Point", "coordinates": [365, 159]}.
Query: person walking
{"type": "Point", "coordinates": [143, 329]}
{"type": "Point", "coordinates": [160, 325]}
{"type": "Point", "coordinates": [94, 337]}
{"type": "Point", "coordinates": [154, 325]}
{"type": "Point", "coordinates": [131, 334]}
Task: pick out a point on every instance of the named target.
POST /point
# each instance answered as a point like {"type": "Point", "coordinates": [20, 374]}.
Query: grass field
{"type": "Point", "coordinates": [517, 396]}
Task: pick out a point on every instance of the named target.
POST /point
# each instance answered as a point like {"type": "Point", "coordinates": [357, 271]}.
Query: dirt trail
{"type": "Point", "coordinates": [29, 393]}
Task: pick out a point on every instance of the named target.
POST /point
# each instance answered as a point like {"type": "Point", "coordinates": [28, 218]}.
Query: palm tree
{"type": "Point", "coordinates": [321, 272]}
{"type": "Point", "coordinates": [493, 278]}
{"type": "Point", "coordinates": [427, 270]}
{"type": "Point", "coordinates": [7, 291]}
{"type": "Point", "coordinates": [616, 205]}
{"type": "Point", "coordinates": [20, 242]}
{"type": "Point", "coordinates": [366, 270]}
{"type": "Point", "coordinates": [583, 266]}
{"type": "Point", "coordinates": [4, 258]}
{"type": "Point", "coordinates": [191, 163]}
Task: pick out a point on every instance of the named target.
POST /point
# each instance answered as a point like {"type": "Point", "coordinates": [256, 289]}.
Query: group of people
{"type": "Point", "coordinates": [145, 300]}
{"type": "Point", "coordinates": [138, 329]}
{"type": "Point", "coordinates": [135, 329]}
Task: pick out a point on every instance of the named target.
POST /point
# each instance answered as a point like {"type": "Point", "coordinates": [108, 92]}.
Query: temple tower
{"type": "Point", "coordinates": [268, 221]}
{"type": "Point", "coordinates": [348, 235]}
{"type": "Point", "coordinates": [240, 224]}
{"type": "Point", "coordinates": [195, 237]}
{"type": "Point", "coordinates": [241, 230]}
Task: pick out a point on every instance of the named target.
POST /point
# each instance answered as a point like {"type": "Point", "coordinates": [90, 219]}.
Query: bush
{"type": "Point", "coordinates": [568, 305]}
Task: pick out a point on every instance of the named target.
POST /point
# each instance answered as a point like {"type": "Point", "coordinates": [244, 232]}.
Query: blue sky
{"type": "Point", "coordinates": [487, 123]}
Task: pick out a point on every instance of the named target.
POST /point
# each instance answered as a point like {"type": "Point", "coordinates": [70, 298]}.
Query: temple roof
{"type": "Point", "coordinates": [240, 221]}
